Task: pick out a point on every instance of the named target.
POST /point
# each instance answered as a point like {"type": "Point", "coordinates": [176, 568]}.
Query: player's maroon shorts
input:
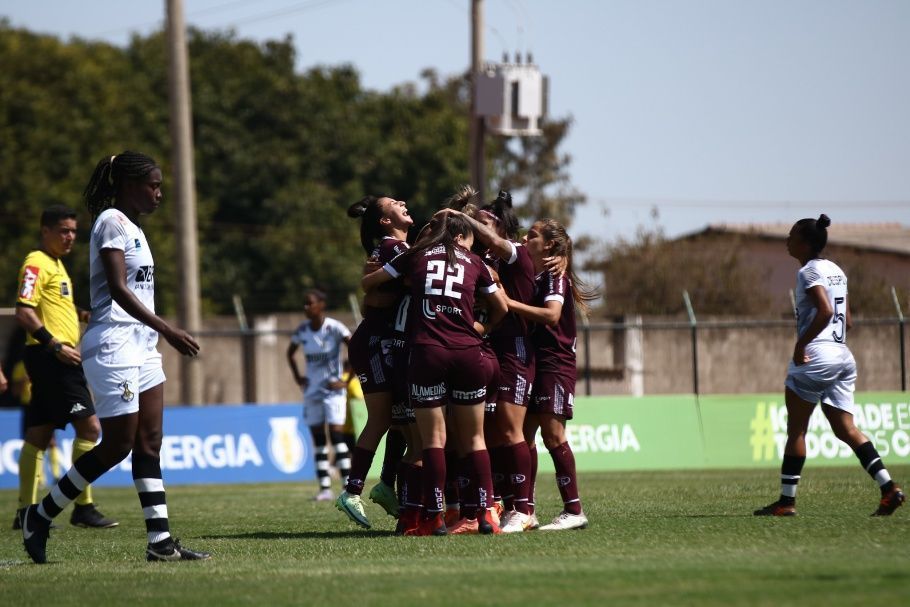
{"type": "Point", "coordinates": [554, 393]}
{"type": "Point", "coordinates": [402, 410]}
{"type": "Point", "coordinates": [437, 375]}
{"type": "Point", "coordinates": [493, 386]}
{"type": "Point", "coordinates": [370, 358]}
{"type": "Point", "coordinates": [516, 369]}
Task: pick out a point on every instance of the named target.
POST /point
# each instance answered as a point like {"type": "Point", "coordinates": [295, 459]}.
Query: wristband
{"type": "Point", "coordinates": [43, 336]}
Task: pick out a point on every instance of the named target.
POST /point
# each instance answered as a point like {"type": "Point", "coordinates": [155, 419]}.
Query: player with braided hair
{"type": "Point", "coordinates": [120, 357]}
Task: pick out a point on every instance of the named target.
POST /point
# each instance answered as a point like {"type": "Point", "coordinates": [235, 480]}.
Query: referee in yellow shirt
{"type": "Point", "coordinates": [60, 394]}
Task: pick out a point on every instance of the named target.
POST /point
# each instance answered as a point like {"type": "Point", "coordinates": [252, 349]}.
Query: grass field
{"type": "Point", "coordinates": [654, 539]}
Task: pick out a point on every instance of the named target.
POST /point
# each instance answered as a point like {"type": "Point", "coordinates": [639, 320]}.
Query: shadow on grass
{"type": "Point", "coordinates": [299, 535]}
{"type": "Point", "coordinates": [737, 515]}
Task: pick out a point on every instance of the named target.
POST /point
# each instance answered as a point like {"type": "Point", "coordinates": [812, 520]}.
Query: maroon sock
{"type": "Point", "coordinates": [401, 483]}
{"type": "Point", "coordinates": [498, 465]}
{"type": "Point", "coordinates": [361, 460]}
{"type": "Point", "coordinates": [482, 479]}
{"type": "Point", "coordinates": [434, 480]}
{"type": "Point", "coordinates": [413, 494]}
{"type": "Point", "coordinates": [564, 462]}
{"type": "Point", "coordinates": [466, 492]}
{"type": "Point", "coordinates": [452, 472]}
{"type": "Point", "coordinates": [532, 480]}
{"type": "Point", "coordinates": [520, 474]}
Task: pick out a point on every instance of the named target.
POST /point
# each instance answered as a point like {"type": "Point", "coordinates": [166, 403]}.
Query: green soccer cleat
{"type": "Point", "coordinates": [352, 505]}
{"type": "Point", "coordinates": [385, 496]}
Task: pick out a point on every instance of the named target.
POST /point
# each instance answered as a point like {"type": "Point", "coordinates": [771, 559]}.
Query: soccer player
{"type": "Point", "coordinates": [822, 370]}
{"type": "Point", "coordinates": [384, 224]}
{"type": "Point", "coordinates": [60, 396]}
{"type": "Point", "coordinates": [324, 392]}
{"type": "Point", "coordinates": [446, 362]}
{"type": "Point", "coordinates": [554, 337]}
{"type": "Point", "coordinates": [120, 357]}
{"type": "Point", "coordinates": [496, 228]}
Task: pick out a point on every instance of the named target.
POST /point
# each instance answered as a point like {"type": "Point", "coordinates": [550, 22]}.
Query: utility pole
{"type": "Point", "coordinates": [184, 196]}
{"type": "Point", "coordinates": [477, 156]}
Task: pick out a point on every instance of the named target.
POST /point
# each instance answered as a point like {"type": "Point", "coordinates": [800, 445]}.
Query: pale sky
{"type": "Point", "coordinates": [707, 110]}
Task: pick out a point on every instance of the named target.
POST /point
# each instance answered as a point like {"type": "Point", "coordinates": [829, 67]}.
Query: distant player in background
{"type": "Point", "coordinates": [353, 391]}
{"type": "Point", "coordinates": [556, 299]}
{"type": "Point", "coordinates": [60, 396]}
{"type": "Point", "coordinates": [822, 370]}
{"type": "Point", "coordinates": [324, 390]}
{"type": "Point", "coordinates": [120, 356]}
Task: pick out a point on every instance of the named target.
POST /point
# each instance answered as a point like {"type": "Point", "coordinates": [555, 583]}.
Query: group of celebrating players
{"type": "Point", "coordinates": [467, 348]}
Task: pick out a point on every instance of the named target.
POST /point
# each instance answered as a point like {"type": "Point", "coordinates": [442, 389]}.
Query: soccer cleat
{"type": "Point", "coordinates": [777, 509]}
{"type": "Point", "coordinates": [453, 515]}
{"type": "Point", "coordinates": [566, 520]}
{"type": "Point", "coordinates": [171, 550]}
{"type": "Point", "coordinates": [488, 522]}
{"type": "Point", "coordinates": [517, 522]}
{"type": "Point", "coordinates": [463, 526]}
{"type": "Point", "coordinates": [35, 531]}
{"type": "Point", "coordinates": [533, 524]}
{"type": "Point", "coordinates": [504, 517]}
{"type": "Point", "coordinates": [407, 520]}
{"type": "Point", "coordinates": [324, 495]}
{"type": "Point", "coordinates": [499, 507]}
{"type": "Point", "coordinates": [385, 496]}
{"type": "Point", "coordinates": [88, 516]}
{"type": "Point", "coordinates": [352, 505]}
{"type": "Point", "coordinates": [891, 501]}
{"type": "Point", "coordinates": [435, 525]}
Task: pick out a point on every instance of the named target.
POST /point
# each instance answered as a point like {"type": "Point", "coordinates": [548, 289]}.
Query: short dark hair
{"type": "Point", "coordinates": [56, 213]}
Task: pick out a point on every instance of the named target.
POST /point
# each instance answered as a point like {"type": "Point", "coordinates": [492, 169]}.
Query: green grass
{"type": "Point", "coordinates": [655, 538]}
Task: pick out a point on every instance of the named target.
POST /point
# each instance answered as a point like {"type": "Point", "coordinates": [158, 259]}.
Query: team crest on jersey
{"type": "Point", "coordinates": [137, 243]}
{"type": "Point", "coordinates": [127, 393]}
{"type": "Point", "coordinates": [64, 289]}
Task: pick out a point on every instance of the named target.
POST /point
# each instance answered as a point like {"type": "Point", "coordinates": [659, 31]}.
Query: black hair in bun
{"type": "Point", "coordinates": [823, 221]}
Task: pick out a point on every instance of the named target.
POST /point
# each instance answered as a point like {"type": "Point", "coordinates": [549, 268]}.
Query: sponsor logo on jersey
{"type": "Point", "coordinates": [319, 357]}
{"type": "Point", "coordinates": [64, 289]}
{"type": "Point", "coordinates": [469, 394]}
{"type": "Point", "coordinates": [448, 309]}
{"type": "Point", "coordinates": [137, 243]}
{"type": "Point", "coordinates": [29, 279]}
{"type": "Point", "coordinates": [427, 310]}
{"type": "Point", "coordinates": [145, 274]}
{"type": "Point", "coordinates": [76, 408]}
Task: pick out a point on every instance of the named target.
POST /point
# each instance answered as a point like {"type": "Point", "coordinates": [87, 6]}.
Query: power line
{"type": "Point", "coordinates": [733, 203]}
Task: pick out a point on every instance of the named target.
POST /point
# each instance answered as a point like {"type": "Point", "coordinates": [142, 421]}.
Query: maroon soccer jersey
{"type": "Point", "coordinates": [517, 278]}
{"type": "Point", "coordinates": [555, 345]}
{"type": "Point", "coordinates": [388, 249]}
{"type": "Point", "coordinates": [442, 296]}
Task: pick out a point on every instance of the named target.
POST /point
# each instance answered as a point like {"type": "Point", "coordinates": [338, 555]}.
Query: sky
{"type": "Point", "coordinates": [685, 112]}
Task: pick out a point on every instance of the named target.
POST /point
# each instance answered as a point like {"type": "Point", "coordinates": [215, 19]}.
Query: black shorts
{"type": "Point", "coordinates": [59, 391]}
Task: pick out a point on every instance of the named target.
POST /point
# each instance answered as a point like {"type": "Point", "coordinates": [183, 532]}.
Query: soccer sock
{"type": "Point", "coordinates": [498, 464]}
{"type": "Point", "coordinates": [322, 467]}
{"type": "Point", "coordinates": [482, 479]}
{"type": "Point", "coordinates": [401, 481]}
{"type": "Point", "coordinates": [564, 462]}
{"type": "Point", "coordinates": [519, 474]}
{"type": "Point", "coordinates": [83, 472]}
{"type": "Point", "coordinates": [80, 448]}
{"type": "Point", "coordinates": [412, 495]}
{"type": "Point", "coordinates": [532, 480]}
{"type": "Point", "coordinates": [361, 461]}
{"type": "Point", "coordinates": [467, 483]}
{"type": "Point", "coordinates": [395, 446]}
{"type": "Point", "coordinates": [31, 459]}
{"type": "Point", "coordinates": [53, 458]}
{"type": "Point", "coordinates": [150, 487]}
{"type": "Point", "coordinates": [453, 471]}
{"type": "Point", "coordinates": [870, 460]}
{"type": "Point", "coordinates": [342, 455]}
{"type": "Point", "coordinates": [790, 471]}
{"type": "Point", "coordinates": [434, 480]}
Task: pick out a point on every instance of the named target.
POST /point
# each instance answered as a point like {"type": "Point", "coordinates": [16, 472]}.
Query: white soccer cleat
{"type": "Point", "coordinates": [565, 521]}
{"type": "Point", "coordinates": [534, 524]}
{"type": "Point", "coordinates": [517, 522]}
{"type": "Point", "coordinates": [325, 495]}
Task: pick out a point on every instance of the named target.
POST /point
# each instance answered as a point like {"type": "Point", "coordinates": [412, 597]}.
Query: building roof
{"type": "Point", "coordinates": [890, 237]}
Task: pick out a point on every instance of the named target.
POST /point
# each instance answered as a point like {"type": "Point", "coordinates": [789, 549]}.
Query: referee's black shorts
{"type": "Point", "coordinates": [59, 391]}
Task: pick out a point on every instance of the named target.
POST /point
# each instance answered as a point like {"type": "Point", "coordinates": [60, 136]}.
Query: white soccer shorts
{"type": "Point", "coordinates": [331, 409]}
{"type": "Point", "coordinates": [829, 377]}
{"type": "Point", "coordinates": [120, 362]}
